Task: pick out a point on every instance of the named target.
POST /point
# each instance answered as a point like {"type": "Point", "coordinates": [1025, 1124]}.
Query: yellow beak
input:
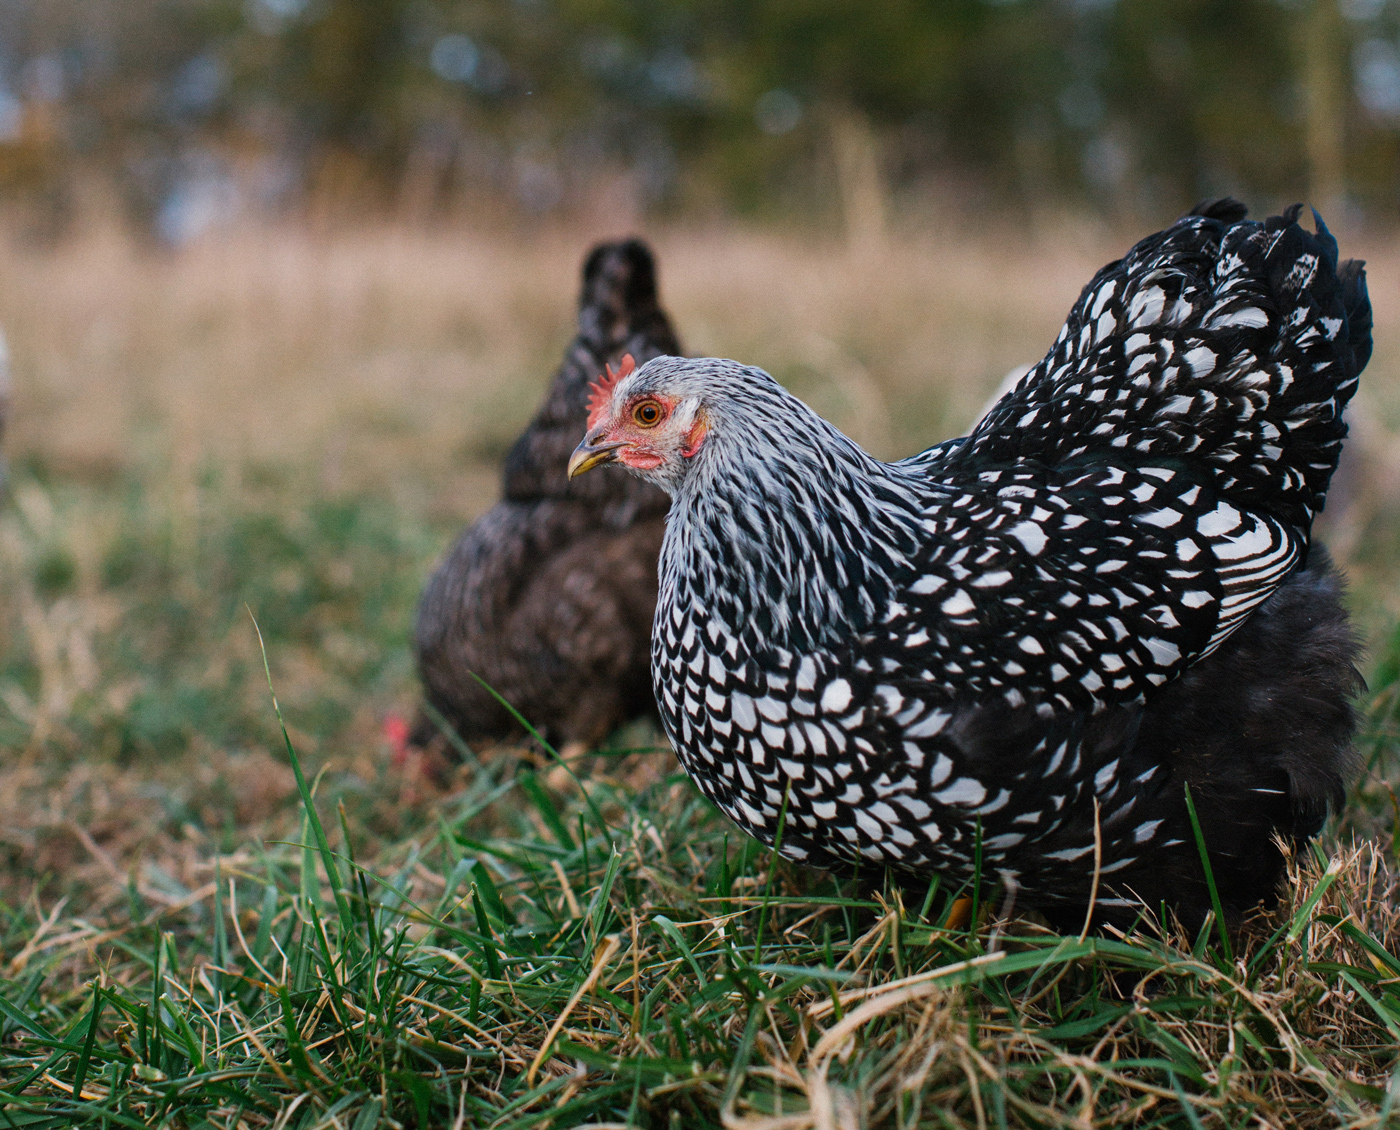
{"type": "Point", "coordinates": [586, 456]}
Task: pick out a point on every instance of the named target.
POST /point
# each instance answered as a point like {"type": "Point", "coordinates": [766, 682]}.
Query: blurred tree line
{"type": "Point", "coordinates": [196, 110]}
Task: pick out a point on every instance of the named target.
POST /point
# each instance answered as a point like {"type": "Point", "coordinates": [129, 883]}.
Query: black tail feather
{"type": "Point", "coordinates": [1357, 302]}
{"type": "Point", "coordinates": [1225, 208]}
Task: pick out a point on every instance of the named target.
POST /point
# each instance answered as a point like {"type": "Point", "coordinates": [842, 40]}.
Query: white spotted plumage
{"type": "Point", "coordinates": [897, 659]}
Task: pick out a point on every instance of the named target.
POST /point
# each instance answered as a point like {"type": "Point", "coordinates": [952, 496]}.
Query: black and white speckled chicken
{"type": "Point", "coordinates": [1027, 641]}
{"type": "Point", "coordinates": [548, 597]}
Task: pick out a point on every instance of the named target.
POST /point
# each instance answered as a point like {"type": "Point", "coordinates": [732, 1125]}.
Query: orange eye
{"type": "Point", "coordinates": [647, 414]}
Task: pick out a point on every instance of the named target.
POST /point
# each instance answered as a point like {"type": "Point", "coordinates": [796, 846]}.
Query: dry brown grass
{"type": "Point", "coordinates": [405, 360]}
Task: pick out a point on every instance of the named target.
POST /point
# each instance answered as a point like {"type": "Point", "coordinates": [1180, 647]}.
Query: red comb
{"type": "Point", "coordinates": [602, 388]}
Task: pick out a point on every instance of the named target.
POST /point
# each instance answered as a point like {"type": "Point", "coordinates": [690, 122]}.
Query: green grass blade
{"type": "Point", "coordinates": [673, 934]}
{"type": "Point", "coordinates": [531, 787]}
{"type": "Point", "coordinates": [33, 1027]}
{"type": "Point", "coordinates": [1193, 1120]}
{"type": "Point", "coordinates": [1303, 915]}
{"type": "Point", "coordinates": [772, 869]}
{"type": "Point", "coordinates": [296, 1049]}
{"type": "Point", "coordinates": [347, 919]}
{"type": "Point", "coordinates": [85, 1056]}
{"type": "Point", "coordinates": [488, 938]}
{"type": "Point", "coordinates": [1387, 1016]}
{"type": "Point", "coordinates": [600, 905]}
{"type": "Point", "coordinates": [739, 1068]}
{"type": "Point", "coordinates": [1220, 925]}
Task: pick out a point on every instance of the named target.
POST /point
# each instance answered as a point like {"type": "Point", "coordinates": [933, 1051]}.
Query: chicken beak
{"type": "Point", "coordinates": [586, 456]}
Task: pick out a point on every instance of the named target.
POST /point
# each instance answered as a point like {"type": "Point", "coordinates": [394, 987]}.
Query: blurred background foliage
{"type": "Point", "coordinates": [200, 110]}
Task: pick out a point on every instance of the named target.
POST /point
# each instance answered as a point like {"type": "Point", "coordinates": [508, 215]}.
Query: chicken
{"type": "Point", "coordinates": [1017, 649]}
{"type": "Point", "coordinates": [548, 598]}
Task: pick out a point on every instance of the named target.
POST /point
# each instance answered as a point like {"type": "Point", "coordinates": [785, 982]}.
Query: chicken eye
{"type": "Point", "coordinates": [647, 414]}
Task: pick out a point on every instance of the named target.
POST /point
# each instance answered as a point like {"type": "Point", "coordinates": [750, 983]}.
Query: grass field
{"type": "Point", "coordinates": [287, 427]}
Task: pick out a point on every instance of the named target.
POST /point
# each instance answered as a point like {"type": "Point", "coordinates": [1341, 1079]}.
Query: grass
{"type": "Point", "coordinates": [607, 953]}
{"type": "Point", "coordinates": [206, 920]}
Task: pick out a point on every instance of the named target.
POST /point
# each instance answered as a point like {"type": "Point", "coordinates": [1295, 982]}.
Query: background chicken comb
{"type": "Point", "coordinates": [603, 387]}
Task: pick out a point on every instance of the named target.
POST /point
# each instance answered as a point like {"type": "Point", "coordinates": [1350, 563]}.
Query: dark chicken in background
{"type": "Point", "coordinates": [548, 598]}
{"type": "Point", "coordinates": [1014, 651]}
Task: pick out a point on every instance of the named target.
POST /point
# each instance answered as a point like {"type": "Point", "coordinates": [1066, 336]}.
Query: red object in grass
{"type": "Point", "coordinates": [395, 730]}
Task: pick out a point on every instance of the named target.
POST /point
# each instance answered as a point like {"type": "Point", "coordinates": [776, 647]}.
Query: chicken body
{"type": "Point", "coordinates": [548, 598]}
{"type": "Point", "coordinates": [1021, 645]}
